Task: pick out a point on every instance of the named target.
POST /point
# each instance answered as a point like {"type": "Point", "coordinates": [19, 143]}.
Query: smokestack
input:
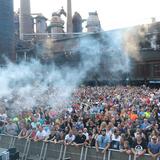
{"type": "Point", "coordinates": [69, 17]}
{"type": "Point", "coordinates": [26, 23]}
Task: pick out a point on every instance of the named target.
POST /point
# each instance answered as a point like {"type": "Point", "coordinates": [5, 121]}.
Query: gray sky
{"type": "Point", "coordinates": [112, 13]}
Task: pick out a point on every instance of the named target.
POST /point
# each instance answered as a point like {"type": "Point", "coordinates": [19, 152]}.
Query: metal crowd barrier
{"type": "Point", "coordinates": [30, 150]}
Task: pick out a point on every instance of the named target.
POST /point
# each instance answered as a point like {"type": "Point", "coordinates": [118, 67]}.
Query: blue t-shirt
{"type": "Point", "coordinates": [154, 148]}
{"type": "Point", "coordinates": [103, 141]}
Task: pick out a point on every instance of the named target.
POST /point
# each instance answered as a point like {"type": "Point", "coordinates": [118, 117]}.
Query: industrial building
{"type": "Point", "coordinates": [64, 46]}
{"type": "Point", "coordinates": [6, 30]}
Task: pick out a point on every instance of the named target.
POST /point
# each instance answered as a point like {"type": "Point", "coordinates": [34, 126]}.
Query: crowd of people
{"type": "Point", "coordinates": [125, 118]}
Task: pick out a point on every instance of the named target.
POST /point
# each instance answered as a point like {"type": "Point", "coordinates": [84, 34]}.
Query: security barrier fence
{"type": "Point", "coordinates": [30, 150]}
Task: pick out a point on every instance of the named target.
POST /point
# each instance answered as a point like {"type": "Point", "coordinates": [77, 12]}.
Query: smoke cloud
{"type": "Point", "coordinates": [31, 84]}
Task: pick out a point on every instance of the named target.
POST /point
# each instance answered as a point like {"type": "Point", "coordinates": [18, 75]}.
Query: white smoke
{"type": "Point", "coordinates": [153, 42]}
{"type": "Point", "coordinates": [30, 84]}
{"type": "Point", "coordinates": [118, 57]}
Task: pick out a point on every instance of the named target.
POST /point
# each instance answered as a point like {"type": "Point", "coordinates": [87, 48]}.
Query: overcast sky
{"type": "Point", "coordinates": [112, 13]}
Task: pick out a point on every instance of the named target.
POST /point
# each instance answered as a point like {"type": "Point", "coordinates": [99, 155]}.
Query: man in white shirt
{"type": "Point", "coordinates": [69, 138]}
{"type": "Point", "coordinates": [41, 134]}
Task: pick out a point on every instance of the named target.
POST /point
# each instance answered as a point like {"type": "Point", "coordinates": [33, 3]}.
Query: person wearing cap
{"type": "Point", "coordinates": [103, 141]}
{"type": "Point", "coordinates": [154, 148]}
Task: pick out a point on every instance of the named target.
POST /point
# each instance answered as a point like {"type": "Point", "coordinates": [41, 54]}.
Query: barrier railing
{"type": "Point", "coordinates": [31, 150]}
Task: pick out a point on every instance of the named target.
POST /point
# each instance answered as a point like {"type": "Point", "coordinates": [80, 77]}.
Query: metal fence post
{"type": "Point", "coordinates": [13, 139]}
{"type": "Point", "coordinates": [41, 154]}
{"type": "Point", "coordinates": [61, 151]}
{"type": "Point", "coordinates": [104, 156]}
{"type": "Point", "coordinates": [130, 157]}
{"type": "Point", "coordinates": [27, 149]}
{"type": "Point", "coordinates": [109, 155]}
{"type": "Point", "coordinates": [85, 154]}
{"type": "Point", "coordinates": [45, 150]}
{"type": "Point", "coordinates": [64, 152]}
{"type": "Point", "coordinates": [11, 142]}
{"type": "Point", "coordinates": [81, 156]}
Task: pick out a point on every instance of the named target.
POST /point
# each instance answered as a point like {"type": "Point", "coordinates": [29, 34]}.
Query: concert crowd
{"type": "Point", "coordinates": [124, 118]}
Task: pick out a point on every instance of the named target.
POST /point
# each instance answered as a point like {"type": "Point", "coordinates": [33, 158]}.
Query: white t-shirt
{"type": "Point", "coordinates": [87, 135]}
{"type": "Point", "coordinates": [69, 138]}
{"type": "Point", "coordinates": [41, 135]}
{"type": "Point", "coordinates": [116, 138]}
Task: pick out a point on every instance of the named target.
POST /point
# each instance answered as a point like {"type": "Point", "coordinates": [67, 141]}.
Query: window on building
{"type": "Point", "coordinates": [156, 70]}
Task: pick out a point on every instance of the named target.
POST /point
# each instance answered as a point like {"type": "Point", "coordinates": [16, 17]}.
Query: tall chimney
{"type": "Point", "coordinates": [26, 23]}
{"type": "Point", "coordinates": [69, 16]}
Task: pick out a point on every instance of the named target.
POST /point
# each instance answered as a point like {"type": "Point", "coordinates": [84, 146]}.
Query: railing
{"type": "Point", "coordinates": [48, 151]}
{"type": "Point", "coordinates": [53, 36]}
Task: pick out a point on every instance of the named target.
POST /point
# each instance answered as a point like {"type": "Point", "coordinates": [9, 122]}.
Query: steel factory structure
{"type": "Point", "coordinates": [64, 45]}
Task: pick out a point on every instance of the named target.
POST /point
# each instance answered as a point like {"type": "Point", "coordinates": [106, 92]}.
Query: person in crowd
{"type": "Point", "coordinates": [103, 141]}
{"type": "Point", "coordinates": [92, 137]}
{"type": "Point", "coordinates": [54, 136]}
{"type": "Point", "coordinates": [47, 129]}
{"type": "Point", "coordinates": [2, 125]}
{"type": "Point", "coordinates": [32, 134]}
{"type": "Point", "coordinates": [24, 133]}
{"type": "Point", "coordinates": [69, 138]}
{"type": "Point", "coordinates": [145, 124]}
{"type": "Point", "coordinates": [41, 134]}
{"type": "Point", "coordinates": [126, 148]}
{"type": "Point", "coordinates": [139, 131]}
{"type": "Point", "coordinates": [154, 148]}
{"type": "Point", "coordinates": [130, 110]}
{"type": "Point", "coordinates": [115, 143]}
{"type": "Point", "coordinates": [109, 129]}
{"type": "Point", "coordinates": [47, 117]}
{"type": "Point", "coordinates": [85, 132]}
{"type": "Point", "coordinates": [139, 146]}
{"type": "Point", "coordinates": [3, 115]}
{"type": "Point", "coordinates": [11, 128]}
{"type": "Point", "coordinates": [80, 139]}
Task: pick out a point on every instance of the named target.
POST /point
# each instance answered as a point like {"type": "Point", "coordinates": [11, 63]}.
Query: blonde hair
{"type": "Point", "coordinates": [103, 125]}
